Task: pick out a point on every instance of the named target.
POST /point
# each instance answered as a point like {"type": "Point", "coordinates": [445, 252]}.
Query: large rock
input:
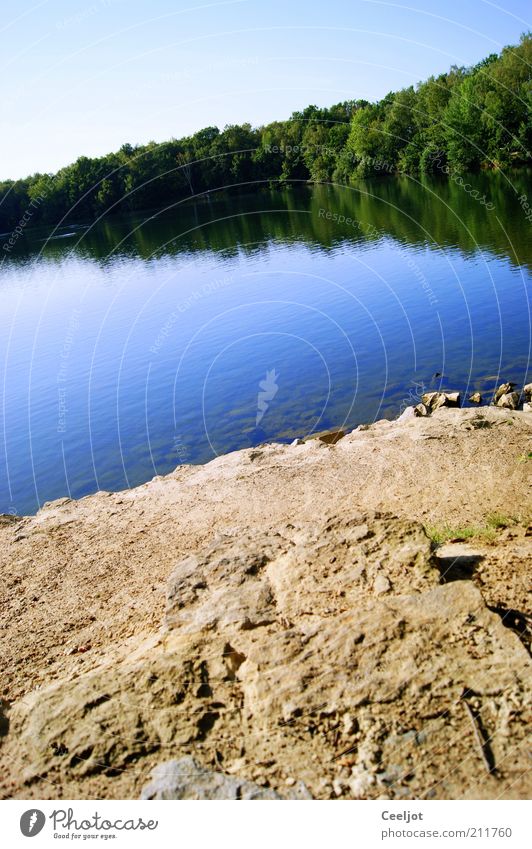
{"type": "Point", "coordinates": [240, 584]}
{"type": "Point", "coordinates": [328, 655]}
{"type": "Point", "coordinates": [527, 391]}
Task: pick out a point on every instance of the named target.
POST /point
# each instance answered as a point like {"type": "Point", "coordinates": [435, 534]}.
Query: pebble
{"type": "Point", "coordinates": [381, 585]}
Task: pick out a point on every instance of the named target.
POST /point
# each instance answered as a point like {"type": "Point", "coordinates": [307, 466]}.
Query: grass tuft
{"type": "Point", "coordinates": [499, 520]}
{"type": "Point", "coordinates": [439, 534]}
{"type": "Point", "coordinates": [487, 532]}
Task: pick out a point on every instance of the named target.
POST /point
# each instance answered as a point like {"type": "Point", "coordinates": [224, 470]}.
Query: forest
{"type": "Point", "coordinates": [460, 121]}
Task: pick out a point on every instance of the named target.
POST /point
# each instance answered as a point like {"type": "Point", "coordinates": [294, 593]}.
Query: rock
{"type": "Point", "coordinates": [421, 410]}
{"type": "Point", "coordinates": [435, 400]}
{"type": "Point", "coordinates": [381, 585]}
{"type": "Point", "coordinates": [240, 584]}
{"type": "Point", "coordinates": [59, 502]}
{"type": "Point", "coordinates": [186, 778]}
{"type": "Point", "coordinates": [475, 398]}
{"type": "Point", "coordinates": [8, 519]}
{"type": "Point", "coordinates": [361, 781]}
{"type": "Point", "coordinates": [452, 399]}
{"type": "Point", "coordinates": [226, 586]}
{"type": "Point", "coordinates": [329, 437]}
{"type": "Point", "coordinates": [503, 389]}
{"type": "Point", "coordinates": [407, 414]}
{"type": "Point", "coordinates": [349, 724]}
{"type": "Point", "coordinates": [298, 791]}
{"type": "Point", "coordinates": [298, 441]}
{"type": "Point", "coordinates": [527, 408]}
{"type": "Point", "coordinates": [276, 659]}
{"type": "Point", "coordinates": [527, 391]}
{"type": "Point", "coordinates": [510, 400]}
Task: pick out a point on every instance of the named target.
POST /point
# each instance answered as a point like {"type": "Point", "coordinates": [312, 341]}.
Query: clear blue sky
{"type": "Point", "coordinates": [85, 76]}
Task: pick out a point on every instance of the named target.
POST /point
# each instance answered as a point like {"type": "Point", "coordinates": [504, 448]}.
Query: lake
{"type": "Point", "coordinates": [131, 346]}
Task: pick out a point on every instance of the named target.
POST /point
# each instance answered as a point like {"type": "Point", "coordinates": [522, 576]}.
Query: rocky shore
{"type": "Point", "coordinates": [338, 618]}
{"type": "Point", "coordinates": [504, 396]}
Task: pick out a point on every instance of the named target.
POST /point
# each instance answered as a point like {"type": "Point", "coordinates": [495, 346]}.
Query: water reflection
{"type": "Point", "coordinates": [132, 345]}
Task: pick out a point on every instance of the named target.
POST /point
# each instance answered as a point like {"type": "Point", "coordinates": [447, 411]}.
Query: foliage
{"type": "Point", "coordinates": [466, 119]}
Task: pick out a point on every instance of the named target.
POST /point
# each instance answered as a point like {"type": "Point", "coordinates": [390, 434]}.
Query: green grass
{"type": "Point", "coordinates": [487, 532]}
{"type": "Point", "coordinates": [440, 534]}
{"type": "Point", "coordinates": [500, 520]}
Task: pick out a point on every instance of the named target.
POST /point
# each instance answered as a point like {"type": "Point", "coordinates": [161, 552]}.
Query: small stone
{"type": "Point", "coordinates": [432, 400]}
{"type": "Point", "coordinates": [381, 585]}
{"type": "Point", "coordinates": [297, 441]}
{"type": "Point", "coordinates": [329, 437]}
{"type": "Point", "coordinates": [298, 791]}
{"type": "Point", "coordinates": [452, 399]}
{"type": "Point", "coordinates": [527, 408]}
{"type": "Point", "coordinates": [290, 781]}
{"type": "Point", "coordinates": [527, 391]}
{"type": "Point", "coordinates": [435, 400]}
{"type": "Point", "coordinates": [407, 414]}
{"type": "Point", "coordinates": [475, 398]}
{"type": "Point", "coordinates": [421, 410]}
{"type": "Point", "coordinates": [188, 779]}
{"type": "Point", "coordinates": [510, 400]}
{"type": "Point", "coordinates": [338, 787]}
{"type": "Point", "coordinates": [349, 723]}
{"type": "Point", "coordinates": [78, 649]}
{"type": "Point", "coordinates": [361, 781]}
{"type": "Point", "coordinates": [503, 389]}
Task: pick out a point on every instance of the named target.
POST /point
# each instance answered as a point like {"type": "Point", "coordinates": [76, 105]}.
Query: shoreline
{"type": "Point", "coordinates": [504, 396]}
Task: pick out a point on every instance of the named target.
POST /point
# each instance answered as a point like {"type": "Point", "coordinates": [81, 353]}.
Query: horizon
{"type": "Point", "coordinates": [89, 117]}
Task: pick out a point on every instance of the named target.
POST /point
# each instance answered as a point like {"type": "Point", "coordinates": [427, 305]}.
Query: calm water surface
{"type": "Point", "coordinates": [130, 346]}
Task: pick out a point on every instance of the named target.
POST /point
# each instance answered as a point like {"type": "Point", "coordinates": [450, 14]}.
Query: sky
{"type": "Point", "coordinates": [82, 77]}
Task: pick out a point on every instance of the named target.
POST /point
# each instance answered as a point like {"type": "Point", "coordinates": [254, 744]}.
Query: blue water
{"type": "Point", "coordinates": [130, 347]}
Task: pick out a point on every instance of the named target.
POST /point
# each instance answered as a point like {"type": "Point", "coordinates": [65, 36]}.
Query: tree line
{"type": "Point", "coordinates": [463, 120]}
